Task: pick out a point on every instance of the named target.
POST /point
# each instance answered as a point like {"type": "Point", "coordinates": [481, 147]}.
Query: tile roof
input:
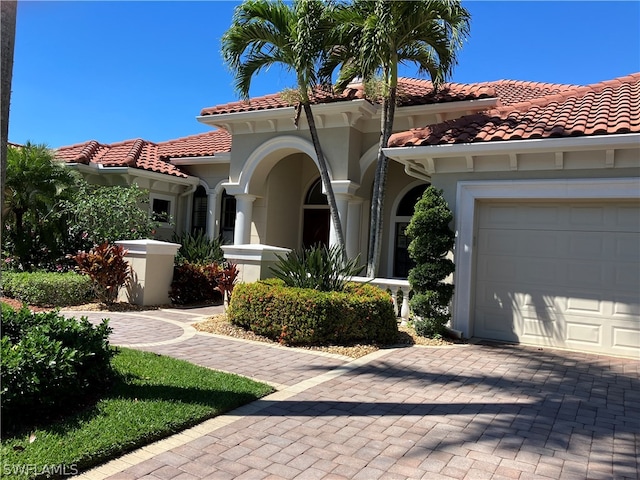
{"type": "Point", "coordinates": [600, 109]}
{"type": "Point", "coordinates": [153, 157]}
{"type": "Point", "coordinates": [411, 91]}
{"type": "Point", "coordinates": [204, 144]}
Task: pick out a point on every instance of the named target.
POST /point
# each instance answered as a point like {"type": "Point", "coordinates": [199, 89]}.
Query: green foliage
{"type": "Point", "coordinates": [49, 364]}
{"type": "Point", "coordinates": [101, 214]}
{"type": "Point", "coordinates": [152, 397]}
{"type": "Point", "coordinates": [36, 188]}
{"type": "Point", "coordinates": [194, 283]}
{"type": "Point", "coordinates": [199, 249]}
{"type": "Point", "coordinates": [47, 289]}
{"type": "Point", "coordinates": [202, 283]}
{"type": "Point", "coordinates": [318, 267]}
{"type": "Point", "coordinates": [302, 316]}
{"type": "Point", "coordinates": [431, 241]}
{"type": "Point", "coordinates": [107, 268]}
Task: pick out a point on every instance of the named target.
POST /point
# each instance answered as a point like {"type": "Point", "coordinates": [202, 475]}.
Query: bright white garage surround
{"type": "Point", "coordinates": [554, 263]}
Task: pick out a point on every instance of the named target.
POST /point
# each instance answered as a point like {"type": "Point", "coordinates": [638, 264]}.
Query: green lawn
{"type": "Point", "coordinates": [153, 397]}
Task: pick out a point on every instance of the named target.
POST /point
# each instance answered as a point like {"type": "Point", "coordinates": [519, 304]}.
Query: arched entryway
{"type": "Point", "coordinates": [316, 217]}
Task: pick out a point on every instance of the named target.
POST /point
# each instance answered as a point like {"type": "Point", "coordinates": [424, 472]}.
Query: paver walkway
{"type": "Point", "coordinates": [468, 411]}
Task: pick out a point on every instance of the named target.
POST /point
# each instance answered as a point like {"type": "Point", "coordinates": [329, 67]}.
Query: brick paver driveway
{"type": "Point", "coordinates": [469, 411]}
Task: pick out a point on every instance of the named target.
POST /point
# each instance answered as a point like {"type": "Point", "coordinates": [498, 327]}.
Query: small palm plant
{"type": "Point", "coordinates": [319, 268]}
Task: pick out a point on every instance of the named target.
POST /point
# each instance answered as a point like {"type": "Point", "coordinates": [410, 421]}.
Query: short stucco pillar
{"type": "Point", "coordinates": [151, 264]}
{"type": "Point", "coordinates": [254, 262]}
{"type": "Point", "coordinates": [244, 217]}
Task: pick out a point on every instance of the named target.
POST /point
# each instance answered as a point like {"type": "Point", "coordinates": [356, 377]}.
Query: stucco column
{"type": "Point", "coordinates": [212, 219]}
{"type": "Point", "coordinates": [342, 202]}
{"type": "Point", "coordinates": [353, 228]}
{"type": "Point", "coordinates": [244, 216]}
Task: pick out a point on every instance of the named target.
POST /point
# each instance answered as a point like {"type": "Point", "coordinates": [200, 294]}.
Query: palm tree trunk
{"type": "Point", "coordinates": [8, 34]}
{"type": "Point", "coordinates": [380, 184]}
{"type": "Point", "coordinates": [326, 181]}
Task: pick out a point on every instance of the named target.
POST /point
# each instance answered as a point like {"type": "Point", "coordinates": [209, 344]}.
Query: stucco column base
{"type": "Point", "coordinates": [254, 261]}
{"type": "Point", "coordinates": [151, 264]}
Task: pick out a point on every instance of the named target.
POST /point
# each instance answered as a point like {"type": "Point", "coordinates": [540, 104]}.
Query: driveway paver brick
{"type": "Point", "coordinates": [469, 411]}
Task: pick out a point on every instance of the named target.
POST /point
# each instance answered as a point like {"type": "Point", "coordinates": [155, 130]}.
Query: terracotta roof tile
{"type": "Point", "coordinates": [411, 91]}
{"type": "Point", "coordinates": [136, 153]}
{"type": "Point", "coordinates": [603, 108]}
{"type": "Point", "coordinates": [146, 155]}
{"type": "Point", "coordinates": [204, 144]}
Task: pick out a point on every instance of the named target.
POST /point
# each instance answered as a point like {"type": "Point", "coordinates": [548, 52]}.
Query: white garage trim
{"type": "Point", "coordinates": [469, 192]}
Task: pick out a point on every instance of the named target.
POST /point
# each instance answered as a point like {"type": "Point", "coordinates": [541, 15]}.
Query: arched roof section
{"type": "Point", "coordinates": [265, 157]}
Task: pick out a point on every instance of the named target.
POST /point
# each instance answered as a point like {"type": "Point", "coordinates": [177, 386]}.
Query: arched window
{"type": "Point", "coordinates": [402, 263]}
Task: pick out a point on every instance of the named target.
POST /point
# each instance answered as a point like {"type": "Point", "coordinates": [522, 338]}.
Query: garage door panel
{"type": "Point", "coordinates": [584, 333]}
{"type": "Point", "coordinates": [625, 340]}
{"type": "Point", "coordinates": [563, 274]}
{"type": "Point", "coordinates": [498, 325]}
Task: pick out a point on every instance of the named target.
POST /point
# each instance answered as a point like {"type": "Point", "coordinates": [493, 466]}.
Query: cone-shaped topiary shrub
{"type": "Point", "coordinates": [431, 242]}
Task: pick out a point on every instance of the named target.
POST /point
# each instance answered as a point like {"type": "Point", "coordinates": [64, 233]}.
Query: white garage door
{"type": "Point", "coordinates": [559, 274]}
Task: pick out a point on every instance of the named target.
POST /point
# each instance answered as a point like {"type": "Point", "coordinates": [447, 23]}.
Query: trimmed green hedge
{"type": "Point", "coordinates": [47, 289]}
{"type": "Point", "coordinates": [49, 364]}
{"type": "Point", "coordinates": [300, 316]}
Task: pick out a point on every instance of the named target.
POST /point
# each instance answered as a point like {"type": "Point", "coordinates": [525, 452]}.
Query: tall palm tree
{"type": "Point", "coordinates": [8, 36]}
{"type": "Point", "coordinates": [373, 37]}
{"type": "Point", "coordinates": [264, 33]}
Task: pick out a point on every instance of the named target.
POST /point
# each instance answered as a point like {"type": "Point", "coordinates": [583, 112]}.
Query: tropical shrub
{"type": "Point", "coordinates": [194, 283]}
{"type": "Point", "coordinates": [303, 316]}
{"type": "Point", "coordinates": [35, 191]}
{"type": "Point", "coordinates": [431, 241]}
{"type": "Point", "coordinates": [319, 267]}
{"type": "Point", "coordinates": [49, 364]}
{"type": "Point", "coordinates": [227, 277]}
{"type": "Point", "coordinates": [197, 283]}
{"type": "Point", "coordinates": [107, 268]}
{"type": "Point", "coordinates": [99, 214]}
{"type": "Point", "coordinates": [47, 289]}
{"type": "Point", "coordinates": [198, 248]}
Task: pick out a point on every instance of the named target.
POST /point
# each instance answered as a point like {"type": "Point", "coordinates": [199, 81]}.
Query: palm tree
{"type": "Point", "coordinates": [373, 37]}
{"type": "Point", "coordinates": [35, 186]}
{"type": "Point", "coordinates": [8, 36]}
{"type": "Point", "coordinates": [264, 33]}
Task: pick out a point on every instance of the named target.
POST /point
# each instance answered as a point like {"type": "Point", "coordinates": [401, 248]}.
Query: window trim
{"type": "Point", "coordinates": [172, 206]}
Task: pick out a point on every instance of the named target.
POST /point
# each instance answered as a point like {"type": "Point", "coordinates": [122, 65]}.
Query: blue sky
{"type": "Point", "coordinates": [112, 71]}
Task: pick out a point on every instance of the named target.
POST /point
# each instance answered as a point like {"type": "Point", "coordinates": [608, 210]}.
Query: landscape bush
{"type": "Point", "coordinates": [107, 268]}
{"type": "Point", "coordinates": [47, 289]}
{"type": "Point", "coordinates": [302, 316]}
{"type": "Point", "coordinates": [198, 283]}
{"type": "Point", "coordinates": [194, 283]}
{"type": "Point", "coordinates": [50, 364]}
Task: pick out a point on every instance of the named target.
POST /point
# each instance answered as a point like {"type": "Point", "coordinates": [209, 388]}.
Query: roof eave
{"type": "Point", "coordinates": [565, 144]}
{"type": "Point", "coordinates": [217, 159]}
